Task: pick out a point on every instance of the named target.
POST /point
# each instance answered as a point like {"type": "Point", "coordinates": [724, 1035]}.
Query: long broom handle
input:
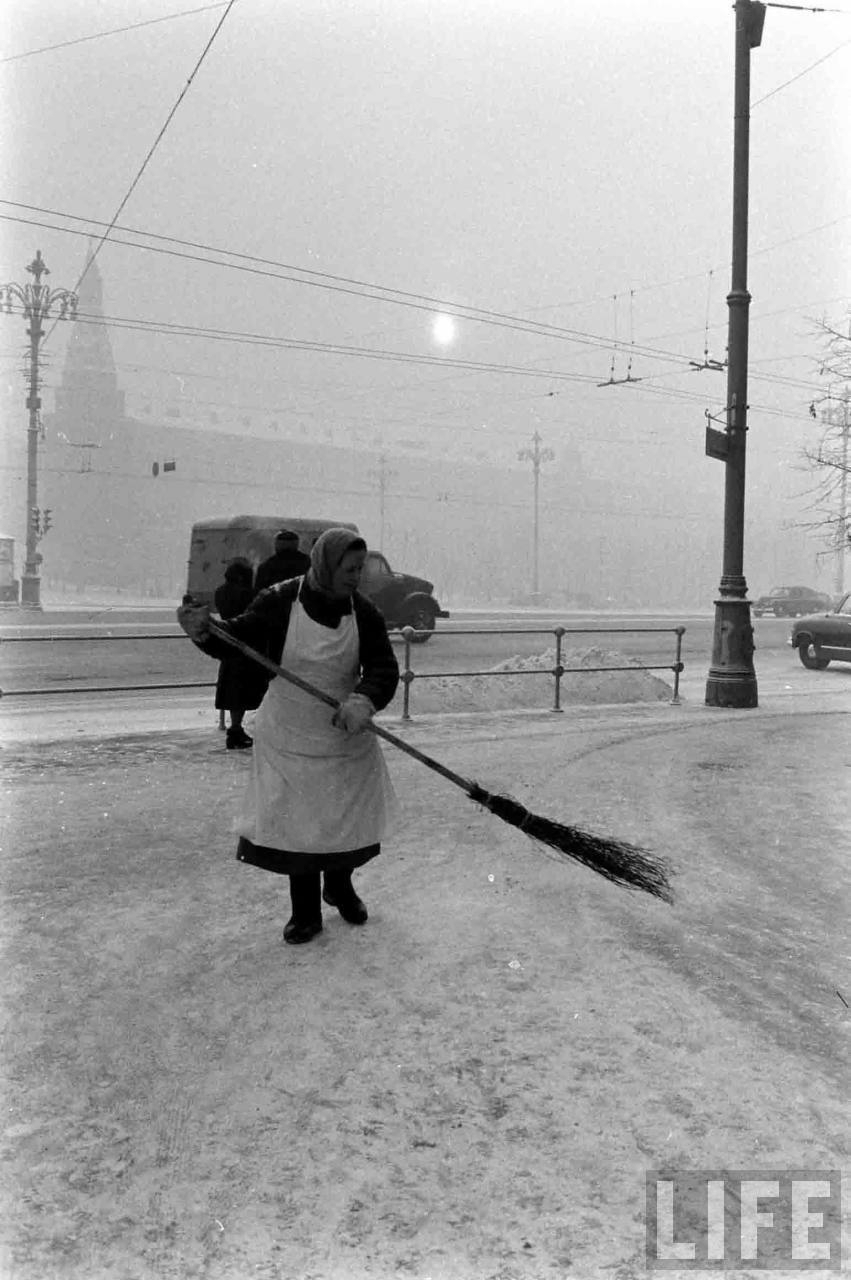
{"type": "Point", "coordinates": [378, 729]}
{"type": "Point", "coordinates": [619, 862]}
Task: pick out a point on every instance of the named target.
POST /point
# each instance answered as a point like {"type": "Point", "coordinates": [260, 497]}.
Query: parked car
{"type": "Point", "coordinates": [790, 602]}
{"type": "Point", "coordinates": [823, 638]}
{"type": "Point", "coordinates": [404, 600]}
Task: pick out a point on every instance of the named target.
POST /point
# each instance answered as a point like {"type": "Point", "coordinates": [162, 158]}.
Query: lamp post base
{"type": "Point", "coordinates": [30, 591]}
{"type": "Point", "coordinates": [732, 679]}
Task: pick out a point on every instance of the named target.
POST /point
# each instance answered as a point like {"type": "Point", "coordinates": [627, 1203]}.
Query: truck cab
{"type": "Point", "coordinates": [405, 601]}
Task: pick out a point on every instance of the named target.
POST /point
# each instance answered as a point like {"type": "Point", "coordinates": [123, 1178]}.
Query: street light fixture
{"type": "Point", "coordinates": [37, 302]}
{"type": "Point", "coordinates": [536, 455]}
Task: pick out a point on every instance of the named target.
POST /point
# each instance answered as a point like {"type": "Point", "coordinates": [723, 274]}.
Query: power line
{"type": "Point", "coordinates": [804, 8]}
{"type": "Point", "coordinates": [395, 297]}
{"type": "Point", "coordinates": [470, 366]}
{"type": "Point", "coordinates": [683, 279]}
{"type": "Point", "coordinates": [757, 315]}
{"type": "Point", "coordinates": [499, 319]}
{"type": "Point", "coordinates": [801, 235]}
{"type": "Point", "coordinates": [302, 344]}
{"type": "Point", "coordinates": [152, 149]}
{"type": "Point", "coordinates": [377, 292]}
{"type": "Point", "coordinates": [296, 344]}
{"type": "Point", "coordinates": [670, 393]}
{"type": "Point", "coordinates": [805, 71]}
{"type": "Point", "coordinates": [332, 348]}
{"type": "Point", "coordinates": [116, 31]}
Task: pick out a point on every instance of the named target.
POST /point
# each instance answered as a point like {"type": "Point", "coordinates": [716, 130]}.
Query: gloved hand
{"type": "Point", "coordinates": [194, 619]}
{"type": "Point", "coordinates": [354, 714]}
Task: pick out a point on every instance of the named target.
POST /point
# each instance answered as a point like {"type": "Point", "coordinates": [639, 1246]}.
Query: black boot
{"type": "Point", "coordinates": [339, 893]}
{"type": "Point", "coordinates": [306, 919]}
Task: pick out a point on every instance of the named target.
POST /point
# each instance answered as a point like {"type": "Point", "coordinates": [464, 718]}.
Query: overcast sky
{"type": "Point", "coordinates": [564, 163]}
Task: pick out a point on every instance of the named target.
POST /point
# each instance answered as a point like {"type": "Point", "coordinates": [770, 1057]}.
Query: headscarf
{"type": "Point", "coordinates": [327, 553]}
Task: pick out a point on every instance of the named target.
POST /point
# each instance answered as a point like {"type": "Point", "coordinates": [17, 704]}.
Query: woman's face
{"type": "Point", "coordinates": [346, 576]}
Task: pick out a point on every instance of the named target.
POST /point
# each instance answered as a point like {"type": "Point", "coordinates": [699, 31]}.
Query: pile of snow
{"type": "Point", "coordinates": [501, 692]}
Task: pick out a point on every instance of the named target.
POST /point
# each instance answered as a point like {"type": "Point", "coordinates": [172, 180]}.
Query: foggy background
{"type": "Point", "coordinates": [339, 175]}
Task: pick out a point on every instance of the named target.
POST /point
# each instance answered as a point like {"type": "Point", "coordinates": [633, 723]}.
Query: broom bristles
{"type": "Point", "coordinates": [616, 860]}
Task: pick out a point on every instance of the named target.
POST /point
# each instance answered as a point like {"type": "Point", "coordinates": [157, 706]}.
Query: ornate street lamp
{"type": "Point", "coordinates": [536, 455]}
{"type": "Point", "coordinates": [37, 302]}
{"type": "Point", "coordinates": [732, 679]}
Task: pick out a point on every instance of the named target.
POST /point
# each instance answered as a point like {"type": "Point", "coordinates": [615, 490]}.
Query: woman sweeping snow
{"type": "Point", "coordinates": [320, 799]}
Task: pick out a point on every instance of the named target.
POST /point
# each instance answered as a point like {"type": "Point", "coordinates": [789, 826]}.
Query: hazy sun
{"type": "Point", "coordinates": [443, 329]}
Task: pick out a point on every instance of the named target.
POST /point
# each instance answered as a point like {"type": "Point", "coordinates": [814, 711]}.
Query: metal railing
{"type": "Point", "coordinates": [407, 675]}
{"type": "Point", "coordinates": [100, 688]}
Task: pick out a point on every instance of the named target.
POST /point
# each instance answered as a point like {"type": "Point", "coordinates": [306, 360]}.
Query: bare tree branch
{"type": "Point", "coordinates": [828, 461]}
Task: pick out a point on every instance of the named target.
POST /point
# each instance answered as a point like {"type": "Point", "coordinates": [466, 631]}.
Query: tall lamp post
{"type": "Point", "coordinates": [732, 680]}
{"type": "Point", "coordinates": [37, 302]}
{"type": "Point", "coordinates": [383, 476]}
{"type": "Point", "coordinates": [536, 455]}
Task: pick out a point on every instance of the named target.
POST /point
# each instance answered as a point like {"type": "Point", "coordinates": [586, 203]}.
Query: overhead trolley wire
{"type": "Point", "coordinates": [278, 343]}
{"type": "Point", "coordinates": [116, 31]}
{"type": "Point", "coordinates": [151, 151]}
{"type": "Point", "coordinates": [396, 297]}
{"type": "Point", "coordinates": [401, 297]}
{"type": "Point", "coordinates": [266, 340]}
{"type": "Point", "coordinates": [804, 8]}
{"type": "Point", "coordinates": [332, 348]}
{"type": "Point", "coordinates": [805, 71]}
{"type": "Point", "coordinates": [502, 319]}
{"type": "Point", "coordinates": [481, 315]}
{"type": "Point", "coordinates": [674, 280]}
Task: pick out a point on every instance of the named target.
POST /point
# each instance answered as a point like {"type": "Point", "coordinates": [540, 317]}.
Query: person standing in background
{"type": "Point", "coordinates": [241, 683]}
{"type": "Point", "coordinates": [286, 562]}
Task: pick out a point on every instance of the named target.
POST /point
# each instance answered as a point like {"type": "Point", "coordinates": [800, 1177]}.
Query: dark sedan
{"type": "Point", "coordinates": [822, 638]}
{"type": "Point", "coordinates": [790, 602]}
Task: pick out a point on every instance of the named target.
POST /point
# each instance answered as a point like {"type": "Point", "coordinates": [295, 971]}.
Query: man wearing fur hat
{"type": "Point", "coordinates": [286, 562]}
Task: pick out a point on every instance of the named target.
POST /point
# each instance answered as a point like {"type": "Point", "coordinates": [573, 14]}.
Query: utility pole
{"type": "Point", "coordinates": [732, 678]}
{"type": "Point", "coordinates": [536, 455]}
{"type": "Point", "coordinates": [382, 476]}
{"type": "Point", "coordinates": [37, 302]}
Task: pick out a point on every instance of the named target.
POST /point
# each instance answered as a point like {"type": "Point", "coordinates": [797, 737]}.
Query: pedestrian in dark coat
{"type": "Point", "coordinates": [287, 562]}
{"type": "Point", "coordinates": [241, 683]}
{"type": "Point", "coordinates": [320, 798]}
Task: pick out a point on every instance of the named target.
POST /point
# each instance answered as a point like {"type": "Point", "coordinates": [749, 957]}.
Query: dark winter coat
{"type": "Point", "coordinates": [241, 683]}
{"type": "Point", "coordinates": [263, 626]}
{"type": "Point", "coordinates": [290, 563]}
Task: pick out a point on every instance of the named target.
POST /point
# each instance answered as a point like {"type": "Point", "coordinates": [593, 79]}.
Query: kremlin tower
{"type": "Point", "coordinates": [88, 403]}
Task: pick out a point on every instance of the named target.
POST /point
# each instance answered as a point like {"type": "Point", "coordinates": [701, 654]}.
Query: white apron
{"type": "Point", "coordinates": [315, 788]}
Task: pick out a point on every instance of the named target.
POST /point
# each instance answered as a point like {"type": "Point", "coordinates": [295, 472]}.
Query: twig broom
{"type": "Point", "coordinates": [622, 863]}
